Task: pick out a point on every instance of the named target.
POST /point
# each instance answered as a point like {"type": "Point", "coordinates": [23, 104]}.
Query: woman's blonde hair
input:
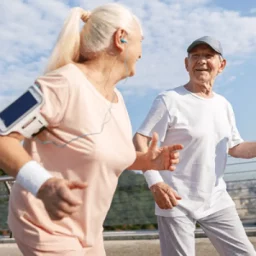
{"type": "Point", "coordinates": [95, 36]}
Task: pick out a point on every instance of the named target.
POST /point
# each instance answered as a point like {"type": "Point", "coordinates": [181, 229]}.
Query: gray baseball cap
{"type": "Point", "coordinates": [212, 42]}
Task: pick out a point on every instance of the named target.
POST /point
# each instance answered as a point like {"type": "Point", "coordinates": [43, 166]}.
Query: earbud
{"type": "Point", "coordinates": [123, 41]}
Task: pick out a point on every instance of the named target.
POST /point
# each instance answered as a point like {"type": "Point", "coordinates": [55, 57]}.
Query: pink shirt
{"type": "Point", "coordinates": [74, 107]}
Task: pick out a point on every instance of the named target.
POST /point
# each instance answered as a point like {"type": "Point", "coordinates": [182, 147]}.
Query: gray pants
{"type": "Point", "coordinates": [223, 228]}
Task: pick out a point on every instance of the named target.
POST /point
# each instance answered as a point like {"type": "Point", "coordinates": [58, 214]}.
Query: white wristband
{"type": "Point", "coordinates": [31, 176]}
{"type": "Point", "coordinates": [152, 177]}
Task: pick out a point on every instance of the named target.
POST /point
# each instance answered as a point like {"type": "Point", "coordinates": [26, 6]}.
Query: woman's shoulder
{"type": "Point", "coordinates": [61, 77]}
{"type": "Point", "coordinates": [66, 71]}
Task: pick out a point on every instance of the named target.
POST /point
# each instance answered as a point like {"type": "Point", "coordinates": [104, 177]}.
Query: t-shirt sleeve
{"type": "Point", "coordinates": [235, 137]}
{"type": "Point", "coordinates": [55, 88]}
{"type": "Point", "coordinates": [157, 120]}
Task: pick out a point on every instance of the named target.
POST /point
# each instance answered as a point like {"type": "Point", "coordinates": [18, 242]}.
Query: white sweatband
{"type": "Point", "coordinates": [31, 176]}
{"type": "Point", "coordinates": [152, 177]}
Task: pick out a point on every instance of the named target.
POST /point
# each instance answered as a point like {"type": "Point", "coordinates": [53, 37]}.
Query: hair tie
{"type": "Point", "coordinates": [85, 15]}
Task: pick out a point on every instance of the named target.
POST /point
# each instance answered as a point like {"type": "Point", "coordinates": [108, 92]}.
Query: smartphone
{"type": "Point", "coordinates": [23, 115]}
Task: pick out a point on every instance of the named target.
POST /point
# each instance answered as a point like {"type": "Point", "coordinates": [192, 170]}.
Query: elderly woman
{"type": "Point", "coordinates": [89, 139]}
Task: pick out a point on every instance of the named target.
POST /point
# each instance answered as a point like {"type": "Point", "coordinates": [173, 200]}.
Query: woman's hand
{"type": "Point", "coordinates": [163, 158]}
{"type": "Point", "coordinates": [58, 198]}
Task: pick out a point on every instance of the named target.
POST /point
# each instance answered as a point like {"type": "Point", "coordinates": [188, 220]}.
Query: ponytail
{"type": "Point", "coordinates": [67, 48]}
{"type": "Point", "coordinates": [96, 35]}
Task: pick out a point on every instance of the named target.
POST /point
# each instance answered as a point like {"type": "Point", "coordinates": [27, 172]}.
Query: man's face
{"type": "Point", "coordinates": [204, 64]}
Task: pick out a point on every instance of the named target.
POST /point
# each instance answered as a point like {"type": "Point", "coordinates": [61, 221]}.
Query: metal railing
{"type": "Point", "coordinates": [133, 203]}
{"type": "Point", "coordinates": [8, 182]}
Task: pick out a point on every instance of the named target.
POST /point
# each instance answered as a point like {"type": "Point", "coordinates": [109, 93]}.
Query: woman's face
{"type": "Point", "coordinates": [133, 50]}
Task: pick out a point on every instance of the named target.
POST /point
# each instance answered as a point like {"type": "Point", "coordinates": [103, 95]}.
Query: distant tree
{"type": "Point", "coordinates": [2, 173]}
{"type": "Point", "coordinates": [132, 206]}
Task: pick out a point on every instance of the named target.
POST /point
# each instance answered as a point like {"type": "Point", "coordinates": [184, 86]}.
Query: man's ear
{"type": "Point", "coordinates": [186, 63]}
{"type": "Point", "coordinates": [118, 35]}
{"type": "Point", "coordinates": [222, 65]}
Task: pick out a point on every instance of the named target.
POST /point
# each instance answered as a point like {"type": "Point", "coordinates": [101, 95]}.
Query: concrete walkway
{"type": "Point", "coordinates": [131, 248]}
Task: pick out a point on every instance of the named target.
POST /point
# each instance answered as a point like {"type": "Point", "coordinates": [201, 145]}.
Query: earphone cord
{"type": "Point", "coordinates": [105, 120]}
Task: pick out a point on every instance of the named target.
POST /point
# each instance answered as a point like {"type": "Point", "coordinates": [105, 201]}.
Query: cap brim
{"type": "Point", "coordinates": [193, 45]}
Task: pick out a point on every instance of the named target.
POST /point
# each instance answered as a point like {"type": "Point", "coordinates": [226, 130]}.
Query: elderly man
{"type": "Point", "coordinates": [204, 123]}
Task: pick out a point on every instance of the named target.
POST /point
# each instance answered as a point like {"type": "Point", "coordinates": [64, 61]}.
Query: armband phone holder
{"type": "Point", "coordinates": [23, 115]}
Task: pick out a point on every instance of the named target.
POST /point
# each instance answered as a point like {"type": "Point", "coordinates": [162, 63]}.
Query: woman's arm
{"type": "Point", "coordinates": [150, 157]}
{"type": "Point", "coordinates": [12, 154]}
{"type": "Point", "coordinates": [56, 194]}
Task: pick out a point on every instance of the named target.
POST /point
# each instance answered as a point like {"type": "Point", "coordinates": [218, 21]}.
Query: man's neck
{"type": "Point", "coordinates": [203, 89]}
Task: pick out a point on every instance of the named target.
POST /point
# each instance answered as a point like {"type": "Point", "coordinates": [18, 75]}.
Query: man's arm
{"type": "Point", "coordinates": [164, 195]}
{"type": "Point", "coordinates": [141, 142]}
{"type": "Point", "coordinates": [245, 150]}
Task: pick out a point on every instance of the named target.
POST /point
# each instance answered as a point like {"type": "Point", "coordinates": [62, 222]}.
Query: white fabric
{"type": "Point", "coordinates": [223, 228]}
{"type": "Point", "coordinates": [31, 176]}
{"type": "Point", "coordinates": [207, 129]}
{"type": "Point", "coordinates": [152, 178]}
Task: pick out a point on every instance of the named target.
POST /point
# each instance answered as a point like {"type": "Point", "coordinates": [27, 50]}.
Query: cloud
{"type": "Point", "coordinates": [28, 32]}
{"type": "Point", "coordinates": [6, 99]}
{"type": "Point", "coordinates": [30, 28]}
{"type": "Point", "coordinates": [168, 35]}
{"type": "Point", "coordinates": [231, 79]}
{"type": "Point", "coordinates": [253, 10]}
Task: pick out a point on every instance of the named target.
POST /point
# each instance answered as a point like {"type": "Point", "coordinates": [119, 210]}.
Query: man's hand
{"type": "Point", "coordinates": [164, 158]}
{"type": "Point", "coordinates": [164, 195]}
{"type": "Point", "coordinates": [58, 198]}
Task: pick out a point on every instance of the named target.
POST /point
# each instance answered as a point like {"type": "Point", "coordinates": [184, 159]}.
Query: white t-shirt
{"type": "Point", "coordinates": [207, 129]}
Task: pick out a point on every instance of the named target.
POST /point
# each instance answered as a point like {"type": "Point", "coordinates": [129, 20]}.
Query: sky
{"type": "Point", "coordinates": [29, 30]}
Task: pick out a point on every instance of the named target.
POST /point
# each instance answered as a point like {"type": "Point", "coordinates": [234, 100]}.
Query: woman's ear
{"type": "Point", "coordinates": [119, 40]}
